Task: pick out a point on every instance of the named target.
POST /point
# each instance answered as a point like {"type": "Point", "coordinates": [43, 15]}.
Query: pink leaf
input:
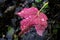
{"type": "Point", "coordinates": [28, 12]}
{"type": "Point", "coordinates": [39, 29]}
{"type": "Point", "coordinates": [31, 18]}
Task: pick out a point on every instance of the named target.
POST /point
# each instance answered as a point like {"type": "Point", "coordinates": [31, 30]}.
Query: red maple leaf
{"type": "Point", "coordinates": [32, 19]}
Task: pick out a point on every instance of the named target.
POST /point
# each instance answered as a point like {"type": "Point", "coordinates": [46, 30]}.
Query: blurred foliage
{"type": "Point", "coordinates": [10, 30]}
{"type": "Point", "coordinates": [38, 1]}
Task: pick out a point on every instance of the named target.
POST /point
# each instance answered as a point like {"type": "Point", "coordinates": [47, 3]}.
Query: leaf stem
{"type": "Point", "coordinates": [44, 6]}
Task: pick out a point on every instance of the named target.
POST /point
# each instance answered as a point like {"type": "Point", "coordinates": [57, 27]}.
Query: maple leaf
{"type": "Point", "coordinates": [32, 19]}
